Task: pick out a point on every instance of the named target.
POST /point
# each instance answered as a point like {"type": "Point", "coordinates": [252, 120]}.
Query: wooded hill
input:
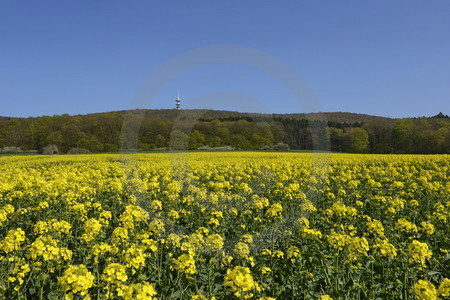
{"type": "Point", "coordinates": [191, 129]}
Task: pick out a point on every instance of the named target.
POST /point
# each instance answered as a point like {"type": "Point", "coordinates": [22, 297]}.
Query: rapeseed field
{"type": "Point", "coordinates": [238, 225]}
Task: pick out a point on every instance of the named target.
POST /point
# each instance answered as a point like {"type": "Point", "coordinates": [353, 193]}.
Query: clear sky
{"type": "Point", "coordinates": [387, 58]}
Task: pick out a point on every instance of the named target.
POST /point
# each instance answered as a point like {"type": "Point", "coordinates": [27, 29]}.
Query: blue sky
{"type": "Point", "coordinates": [387, 58]}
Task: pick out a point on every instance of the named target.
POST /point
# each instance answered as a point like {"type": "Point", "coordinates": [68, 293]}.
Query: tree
{"type": "Point", "coordinates": [54, 138]}
{"type": "Point", "coordinates": [403, 135]}
{"type": "Point", "coordinates": [71, 135]}
{"type": "Point", "coordinates": [196, 139]}
{"type": "Point", "coordinates": [358, 140]}
{"type": "Point", "coordinates": [336, 139]}
{"type": "Point", "coordinates": [15, 134]}
{"type": "Point", "coordinates": [178, 140]}
{"type": "Point", "coordinates": [160, 141]}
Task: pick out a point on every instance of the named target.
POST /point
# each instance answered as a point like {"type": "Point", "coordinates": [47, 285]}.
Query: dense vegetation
{"type": "Point", "coordinates": [215, 225]}
{"type": "Point", "coordinates": [150, 129]}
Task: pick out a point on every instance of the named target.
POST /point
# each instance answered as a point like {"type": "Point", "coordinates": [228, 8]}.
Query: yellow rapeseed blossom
{"type": "Point", "coordinates": [375, 227]}
{"type": "Point", "coordinates": [386, 249]}
{"type": "Point", "coordinates": [444, 288]}
{"type": "Point", "coordinates": [338, 240]}
{"type": "Point", "coordinates": [45, 247]}
{"type": "Point", "coordinates": [91, 228]}
{"type": "Point", "coordinates": [241, 250]}
{"type": "Point", "coordinates": [4, 212]}
{"type": "Point", "coordinates": [77, 279]}
{"type": "Point", "coordinates": [424, 290]}
{"type": "Point", "coordinates": [241, 282]}
{"type": "Point", "coordinates": [140, 291]}
{"type": "Point", "coordinates": [274, 210]}
{"type": "Point", "coordinates": [53, 225]}
{"type": "Point", "coordinates": [405, 226]}
{"type": "Point", "coordinates": [214, 242]}
{"type": "Point", "coordinates": [120, 235]}
{"type": "Point", "coordinates": [310, 232]}
{"type": "Point", "coordinates": [358, 246]}
{"type": "Point", "coordinates": [427, 228]}
{"type": "Point", "coordinates": [184, 263]}
{"type": "Point", "coordinates": [293, 253]}
{"type": "Point", "coordinates": [13, 240]}
{"type": "Point", "coordinates": [134, 257]}
{"type": "Point", "coordinates": [18, 273]}
{"type": "Point", "coordinates": [418, 252]}
{"type": "Point", "coordinates": [114, 273]}
{"type": "Point", "coordinates": [141, 221]}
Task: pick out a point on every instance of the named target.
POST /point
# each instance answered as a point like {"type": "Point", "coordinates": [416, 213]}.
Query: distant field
{"type": "Point", "coordinates": [225, 225]}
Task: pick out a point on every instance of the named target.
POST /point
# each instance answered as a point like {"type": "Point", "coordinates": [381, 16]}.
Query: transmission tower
{"type": "Point", "coordinates": [178, 101]}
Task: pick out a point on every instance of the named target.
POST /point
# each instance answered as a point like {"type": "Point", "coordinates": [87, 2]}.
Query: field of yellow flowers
{"type": "Point", "coordinates": [236, 225]}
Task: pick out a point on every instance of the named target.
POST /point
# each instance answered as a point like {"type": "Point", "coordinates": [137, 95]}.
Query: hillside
{"type": "Point", "coordinates": [147, 129]}
{"type": "Point", "coordinates": [344, 117]}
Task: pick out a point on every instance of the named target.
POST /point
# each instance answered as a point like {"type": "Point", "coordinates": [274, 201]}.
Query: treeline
{"type": "Point", "coordinates": [104, 132]}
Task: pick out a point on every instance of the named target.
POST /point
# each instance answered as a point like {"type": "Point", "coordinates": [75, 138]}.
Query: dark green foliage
{"type": "Point", "coordinates": [152, 129]}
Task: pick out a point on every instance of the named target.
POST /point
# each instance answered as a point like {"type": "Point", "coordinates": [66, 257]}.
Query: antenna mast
{"type": "Point", "coordinates": [178, 101]}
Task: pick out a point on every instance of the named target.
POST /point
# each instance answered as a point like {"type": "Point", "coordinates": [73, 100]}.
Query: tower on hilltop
{"type": "Point", "coordinates": [178, 101]}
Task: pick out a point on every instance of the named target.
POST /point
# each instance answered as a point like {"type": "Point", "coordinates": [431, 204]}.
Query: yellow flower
{"type": "Point", "coordinates": [134, 257]}
{"type": "Point", "coordinates": [18, 273]}
{"type": "Point", "coordinates": [424, 290]}
{"type": "Point", "coordinates": [77, 279]}
{"type": "Point", "coordinates": [104, 217]}
{"type": "Point", "coordinates": [278, 254]}
{"type": "Point", "coordinates": [325, 297]}
{"type": "Point", "coordinates": [91, 227]}
{"type": "Point", "coordinates": [217, 214]}
{"type": "Point", "coordinates": [338, 241]}
{"type": "Point", "coordinates": [114, 273]}
{"type": "Point", "coordinates": [418, 252]}
{"type": "Point", "coordinates": [359, 244]}
{"type": "Point", "coordinates": [307, 207]}
{"type": "Point", "coordinates": [226, 260]}
{"type": "Point", "coordinates": [194, 243]}
{"type": "Point", "coordinates": [214, 242]}
{"type": "Point", "coordinates": [427, 227]}
{"type": "Point", "coordinates": [310, 232]}
{"type": "Point", "coordinates": [119, 235]}
{"type": "Point", "coordinates": [444, 288]}
{"type": "Point", "coordinates": [13, 240]}
{"type": "Point", "coordinates": [341, 210]}
{"type": "Point", "coordinates": [274, 210]}
{"type": "Point", "coordinates": [303, 222]}
{"type": "Point", "coordinates": [293, 253]}
{"type": "Point", "coordinates": [375, 227]}
{"type": "Point", "coordinates": [173, 215]}
{"type": "Point", "coordinates": [242, 250]}
{"type": "Point", "coordinates": [46, 247]}
{"type": "Point", "coordinates": [132, 215]}
{"type": "Point", "coordinates": [185, 264]}
{"type": "Point", "coordinates": [241, 282]}
{"type": "Point", "coordinates": [140, 291]}
{"type": "Point", "coordinates": [247, 238]}
{"type": "Point", "coordinates": [156, 205]}
{"type": "Point", "coordinates": [53, 225]}
{"type": "Point", "coordinates": [4, 212]}
{"type": "Point", "coordinates": [405, 226]}
{"type": "Point", "coordinates": [213, 222]}
{"type": "Point", "coordinates": [386, 249]}
{"type": "Point", "coordinates": [156, 226]}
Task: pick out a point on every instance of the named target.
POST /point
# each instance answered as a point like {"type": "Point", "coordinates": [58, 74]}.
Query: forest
{"type": "Point", "coordinates": [148, 130]}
